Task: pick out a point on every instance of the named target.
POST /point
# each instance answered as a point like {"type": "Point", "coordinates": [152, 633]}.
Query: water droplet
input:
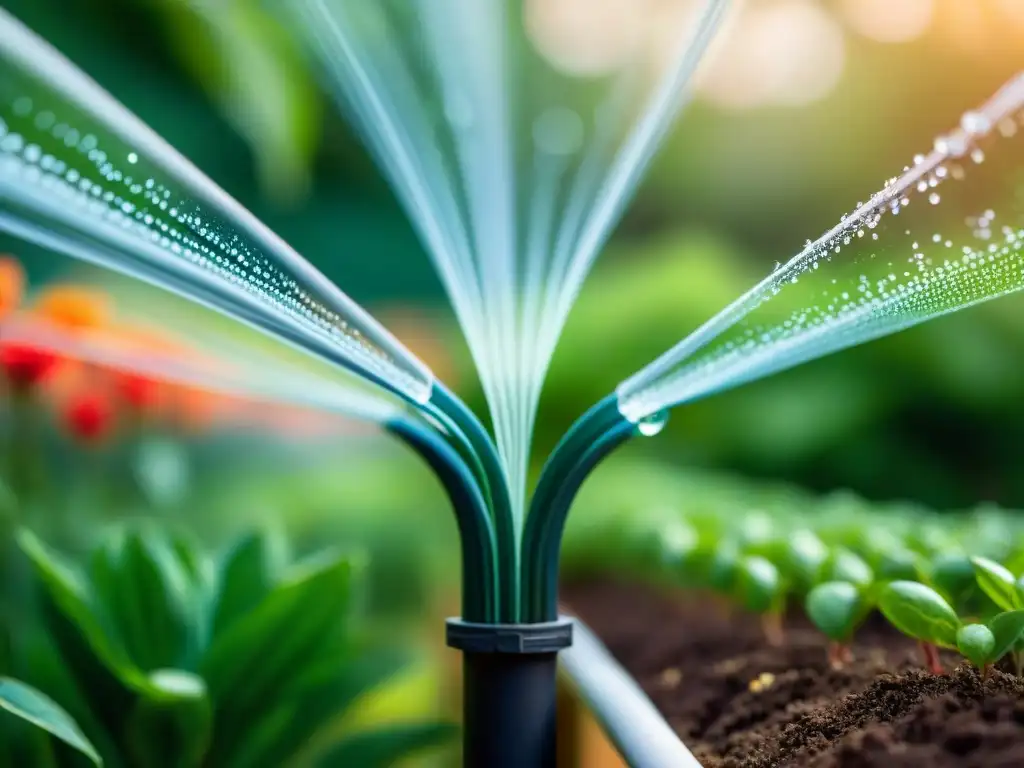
{"type": "Point", "coordinates": [934, 198]}
{"type": "Point", "coordinates": [133, 158]}
{"type": "Point", "coordinates": [975, 123]}
{"type": "Point", "coordinates": [653, 424]}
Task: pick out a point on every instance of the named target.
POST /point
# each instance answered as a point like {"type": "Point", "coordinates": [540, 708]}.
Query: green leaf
{"type": "Point", "coordinates": [845, 565]}
{"type": "Point", "coordinates": [255, 72]}
{"type": "Point", "coordinates": [245, 580]}
{"type": "Point", "coordinates": [383, 747]}
{"type": "Point", "coordinates": [803, 556]}
{"type": "Point", "coordinates": [836, 608]}
{"type": "Point", "coordinates": [976, 642]}
{"type": "Point", "coordinates": [722, 567]}
{"type": "Point", "coordinates": [104, 674]}
{"type": "Point", "coordinates": [996, 582]}
{"type": "Point", "coordinates": [898, 564]}
{"type": "Point", "coordinates": [39, 709]}
{"type": "Point", "coordinates": [1007, 629]}
{"type": "Point", "coordinates": [254, 658]}
{"type": "Point", "coordinates": [171, 727]}
{"type": "Point", "coordinates": [675, 543]}
{"type": "Point", "coordinates": [758, 584]}
{"type": "Point", "coordinates": [143, 589]}
{"type": "Point", "coordinates": [920, 612]}
{"type": "Point", "coordinates": [322, 692]}
{"type": "Point", "coordinates": [952, 575]}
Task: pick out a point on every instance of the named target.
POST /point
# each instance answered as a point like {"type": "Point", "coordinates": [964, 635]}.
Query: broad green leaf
{"type": "Point", "coordinates": [70, 597]}
{"type": "Point", "coordinates": [383, 747]}
{"type": "Point", "coordinates": [952, 576]}
{"type": "Point", "coordinates": [173, 726]}
{"type": "Point", "coordinates": [144, 590]}
{"type": "Point", "coordinates": [977, 643]}
{"type": "Point", "coordinates": [37, 708]}
{"type": "Point", "coordinates": [758, 584]}
{"type": "Point", "coordinates": [252, 660]}
{"type": "Point", "coordinates": [804, 554]}
{"type": "Point", "coordinates": [836, 608]}
{"type": "Point", "coordinates": [245, 580]}
{"type": "Point", "coordinates": [996, 582]}
{"type": "Point", "coordinates": [898, 564]}
{"type": "Point", "coordinates": [1007, 629]}
{"type": "Point", "coordinates": [920, 612]}
{"type": "Point", "coordinates": [845, 565]}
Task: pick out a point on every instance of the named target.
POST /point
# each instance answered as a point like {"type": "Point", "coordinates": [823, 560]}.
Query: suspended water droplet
{"type": "Point", "coordinates": [133, 158]}
{"type": "Point", "coordinates": [652, 425]}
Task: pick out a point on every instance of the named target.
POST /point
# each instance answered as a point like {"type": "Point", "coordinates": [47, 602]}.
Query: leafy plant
{"type": "Point", "coordinates": [920, 612]}
{"type": "Point", "coordinates": [176, 659]}
{"type": "Point", "coordinates": [1006, 592]}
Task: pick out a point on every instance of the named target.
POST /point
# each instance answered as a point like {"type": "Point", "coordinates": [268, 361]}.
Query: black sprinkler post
{"type": "Point", "coordinates": [509, 691]}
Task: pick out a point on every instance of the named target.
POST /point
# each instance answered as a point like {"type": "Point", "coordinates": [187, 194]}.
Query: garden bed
{"type": "Point", "coordinates": [737, 702]}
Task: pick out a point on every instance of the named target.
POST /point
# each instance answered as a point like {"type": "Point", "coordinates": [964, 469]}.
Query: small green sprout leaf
{"type": "Point", "coordinates": [845, 565]}
{"type": "Point", "coordinates": [997, 582]}
{"type": "Point", "coordinates": [919, 612]}
{"type": "Point", "coordinates": [977, 643]}
{"type": "Point", "coordinates": [758, 584]}
{"type": "Point", "coordinates": [723, 567]}
{"type": "Point", "coordinates": [952, 576]}
{"type": "Point", "coordinates": [1007, 629]}
{"type": "Point", "coordinates": [898, 563]}
{"type": "Point", "coordinates": [836, 608]}
{"type": "Point", "coordinates": [803, 557]}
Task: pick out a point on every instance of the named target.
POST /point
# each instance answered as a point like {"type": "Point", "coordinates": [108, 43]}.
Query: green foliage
{"type": "Point", "coordinates": [998, 583]}
{"type": "Point", "coordinates": [35, 707]}
{"type": "Point", "coordinates": [920, 612]}
{"type": "Point", "coordinates": [179, 659]}
{"type": "Point", "coordinates": [836, 608]}
{"type": "Point", "coordinates": [759, 585]}
{"type": "Point", "coordinates": [977, 643]}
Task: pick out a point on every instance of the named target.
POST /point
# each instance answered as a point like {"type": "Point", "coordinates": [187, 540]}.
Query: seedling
{"type": "Point", "coordinates": [920, 612]}
{"type": "Point", "coordinates": [761, 589]}
{"type": "Point", "coordinates": [1006, 592]}
{"type": "Point", "coordinates": [838, 608]}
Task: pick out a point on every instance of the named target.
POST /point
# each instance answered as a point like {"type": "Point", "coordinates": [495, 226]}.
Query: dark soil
{"type": "Point", "coordinates": [737, 702]}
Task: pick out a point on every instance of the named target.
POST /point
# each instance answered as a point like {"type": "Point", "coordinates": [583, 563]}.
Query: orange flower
{"type": "Point", "coordinates": [12, 284]}
{"type": "Point", "coordinates": [76, 307]}
{"type": "Point", "coordinates": [89, 416]}
{"type": "Point", "coordinates": [26, 366]}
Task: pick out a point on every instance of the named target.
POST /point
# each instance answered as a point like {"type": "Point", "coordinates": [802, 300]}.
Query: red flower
{"type": "Point", "coordinates": [89, 416]}
{"type": "Point", "coordinates": [140, 392]}
{"type": "Point", "coordinates": [26, 366]}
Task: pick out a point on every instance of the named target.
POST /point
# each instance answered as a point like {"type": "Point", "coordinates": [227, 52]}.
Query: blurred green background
{"type": "Point", "coordinates": [758, 164]}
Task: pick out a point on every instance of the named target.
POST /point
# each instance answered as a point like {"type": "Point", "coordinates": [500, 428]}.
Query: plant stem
{"type": "Point", "coordinates": [594, 435]}
{"type": "Point", "coordinates": [931, 658]}
{"type": "Point", "coordinates": [771, 626]}
{"type": "Point", "coordinates": [476, 533]}
{"type": "Point", "coordinates": [451, 410]}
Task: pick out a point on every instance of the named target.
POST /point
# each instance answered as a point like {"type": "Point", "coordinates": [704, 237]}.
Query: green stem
{"type": "Point", "coordinates": [447, 405]}
{"type": "Point", "coordinates": [594, 435]}
{"type": "Point", "coordinates": [476, 534]}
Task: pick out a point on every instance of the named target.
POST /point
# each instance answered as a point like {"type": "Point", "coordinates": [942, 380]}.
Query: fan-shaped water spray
{"type": "Point", "coordinates": [514, 132]}
{"type": "Point", "coordinates": [81, 175]}
{"type": "Point", "coordinates": [945, 234]}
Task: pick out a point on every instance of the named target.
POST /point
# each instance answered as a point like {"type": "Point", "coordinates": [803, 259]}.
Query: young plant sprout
{"type": "Point", "coordinates": [838, 608]}
{"type": "Point", "coordinates": [920, 612]}
{"type": "Point", "coordinates": [761, 589]}
{"type": "Point", "coordinates": [1006, 592]}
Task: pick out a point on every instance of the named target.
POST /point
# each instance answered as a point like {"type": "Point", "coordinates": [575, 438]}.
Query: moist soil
{"type": "Point", "coordinates": [737, 701]}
